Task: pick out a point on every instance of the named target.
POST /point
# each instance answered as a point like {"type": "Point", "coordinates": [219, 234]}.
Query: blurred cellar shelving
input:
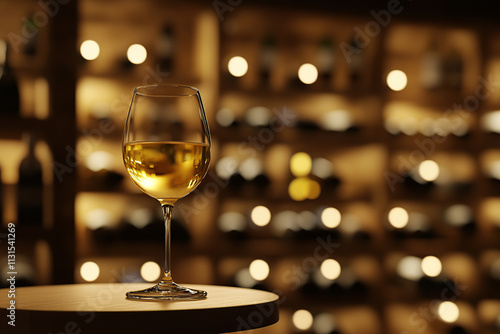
{"type": "Point", "coordinates": [37, 123]}
{"type": "Point", "coordinates": [366, 207]}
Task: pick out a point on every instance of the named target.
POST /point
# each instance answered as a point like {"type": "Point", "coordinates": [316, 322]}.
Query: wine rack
{"type": "Point", "coordinates": [364, 194]}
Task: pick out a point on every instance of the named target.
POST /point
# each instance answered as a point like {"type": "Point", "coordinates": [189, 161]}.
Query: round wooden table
{"type": "Point", "coordinates": [103, 308]}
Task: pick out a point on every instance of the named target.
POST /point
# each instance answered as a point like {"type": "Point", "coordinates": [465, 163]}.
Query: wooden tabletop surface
{"type": "Point", "coordinates": [103, 308]}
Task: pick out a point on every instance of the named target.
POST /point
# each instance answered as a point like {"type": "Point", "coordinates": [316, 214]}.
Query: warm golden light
{"type": "Point", "coordinates": [89, 50]}
{"type": "Point", "coordinates": [250, 168]}
{"type": "Point", "coordinates": [259, 270]}
{"type": "Point", "coordinates": [428, 170]}
{"type": "Point", "coordinates": [300, 164]}
{"type": "Point", "coordinates": [226, 167]}
{"type": "Point", "coordinates": [232, 221]}
{"type": "Point", "coordinates": [99, 160]}
{"type": "Point", "coordinates": [431, 266]}
{"type": "Point", "coordinates": [261, 216]}
{"type": "Point", "coordinates": [303, 188]}
{"type": "Point", "coordinates": [321, 167]}
{"type": "Point", "coordinates": [324, 323]}
{"type": "Point", "coordinates": [137, 54]}
{"type": "Point", "coordinates": [410, 267]}
{"type": "Point", "coordinates": [314, 189]}
{"type": "Point", "coordinates": [302, 319]}
{"type": "Point", "coordinates": [237, 66]}
{"type": "Point", "coordinates": [330, 269]}
{"type": "Point", "coordinates": [491, 121]}
{"type": "Point", "coordinates": [331, 217]}
{"type": "Point", "coordinates": [337, 120]}
{"type": "Point", "coordinates": [244, 279]}
{"type": "Point", "coordinates": [225, 117]}
{"type": "Point", "coordinates": [398, 217]}
{"type": "Point", "coordinates": [458, 214]}
{"type": "Point", "coordinates": [397, 80]}
{"type": "Point", "coordinates": [308, 73]}
{"type": "Point", "coordinates": [448, 311]}
{"type": "Point", "coordinates": [150, 271]}
{"type": "Point", "coordinates": [98, 218]}
{"type": "Point", "coordinates": [89, 271]}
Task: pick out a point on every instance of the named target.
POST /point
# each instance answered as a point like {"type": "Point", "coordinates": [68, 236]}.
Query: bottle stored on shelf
{"type": "Point", "coordinates": [432, 67]}
{"type": "Point", "coordinates": [326, 61]}
{"type": "Point", "coordinates": [453, 70]}
{"type": "Point", "coordinates": [30, 187]}
{"type": "Point", "coordinates": [9, 89]}
{"type": "Point", "coordinates": [165, 49]}
{"type": "Point", "coordinates": [267, 59]}
{"type": "Point", "coordinates": [356, 63]}
{"type": "Point", "coordinates": [30, 26]}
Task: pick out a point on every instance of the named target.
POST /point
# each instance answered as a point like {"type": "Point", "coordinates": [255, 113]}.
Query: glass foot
{"type": "Point", "coordinates": [167, 291]}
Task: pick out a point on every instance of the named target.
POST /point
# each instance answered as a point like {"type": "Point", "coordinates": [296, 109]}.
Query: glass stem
{"type": "Point", "coordinates": [167, 216]}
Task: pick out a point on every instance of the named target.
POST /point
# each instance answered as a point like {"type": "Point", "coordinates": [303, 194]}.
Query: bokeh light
{"type": "Point", "coordinates": [237, 66]}
{"type": "Point", "coordinates": [150, 271]}
{"type": "Point", "coordinates": [431, 266]}
{"type": "Point", "coordinates": [491, 121]}
{"type": "Point", "coordinates": [232, 221]}
{"type": "Point", "coordinates": [337, 120]}
{"type": "Point", "coordinates": [330, 269]}
{"type": "Point", "coordinates": [260, 215]}
{"type": "Point", "coordinates": [244, 279]}
{"type": "Point", "coordinates": [331, 217]}
{"type": "Point", "coordinates": [259, 269]}
{"type": "Point", "coordinates": [458, 214]}
{"type": "Point", "coordinates": [448, 311]}
{"type": "Point", "coordinates": [89, 271]}
{"type": "Point", "coordinates": [410, 267]}
{"type": "Point", "coordinates": [398, 217]}
{"type": "Point", "coordinates": [225, 117]}
{"type": "Point", "coordinates": [250, 168]}
{"type": "Point", "coordinates": [397, 80]}
{"type": "Point", "coordinates": [140, 217]}
{"type": "Point", "coordinates": [300, 164]}
{"type": "Point", "coordinates": [99, 160]}
{"type": "Point", "coordinates": [137, 54]}
{"type": "Point", "coordinates": [89, 50]}
{"type": "Point", "coordinates": [324, 323]}
{"type": "Point", "coordinates": [322, 168]}
{"type": "Point", "coordinates": [308, 73]}
{"type": "Point", "coordinates": [98, 218]}
{"type": "Point", "coordinates": [428, 170]}
{"type": "Point", "coordinates": [258, 116]}
{"type": "Point", "coordinates": [226, 167]}
{"type": "Point", "coordinates": [303, 188]}
{"type": "Point", "coordinates": [302, 319]}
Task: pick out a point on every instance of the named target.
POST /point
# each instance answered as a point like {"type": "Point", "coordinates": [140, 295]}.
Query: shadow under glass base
{"type": "Point", "coordinates": [167, 291]}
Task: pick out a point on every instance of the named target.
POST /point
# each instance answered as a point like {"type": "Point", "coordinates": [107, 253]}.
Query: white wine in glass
{"type": "Point", "coordinates": [166, 151]}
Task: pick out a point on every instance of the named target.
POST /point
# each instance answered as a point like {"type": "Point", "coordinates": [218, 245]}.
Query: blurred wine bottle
{"type": "Point", "coordinates": [30, 187]}
{"type": "Point", "coordinates": [31, 46]}
{"type": "Point", "coordinates": [165, 49]}
{"type": "Point", "coordinates": [454, 70]}
{"type": "Point", "coordinates": [9, 89]}
{"type": "Point", "coordinates": [356, 63]}
{"type": "Point", "coordinates": [267, 59]}
{"type": "Point", "coordinates": [326, 61]}
{"type": "Point", "coordinates": [432, 67]}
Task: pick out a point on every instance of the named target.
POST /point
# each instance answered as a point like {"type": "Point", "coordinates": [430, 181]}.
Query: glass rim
{"type": "Point", "coordinates": [166, 90]}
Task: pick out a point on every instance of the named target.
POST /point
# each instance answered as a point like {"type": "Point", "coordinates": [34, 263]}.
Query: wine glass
{"type": "Point", "coordinates": [166, 151]}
